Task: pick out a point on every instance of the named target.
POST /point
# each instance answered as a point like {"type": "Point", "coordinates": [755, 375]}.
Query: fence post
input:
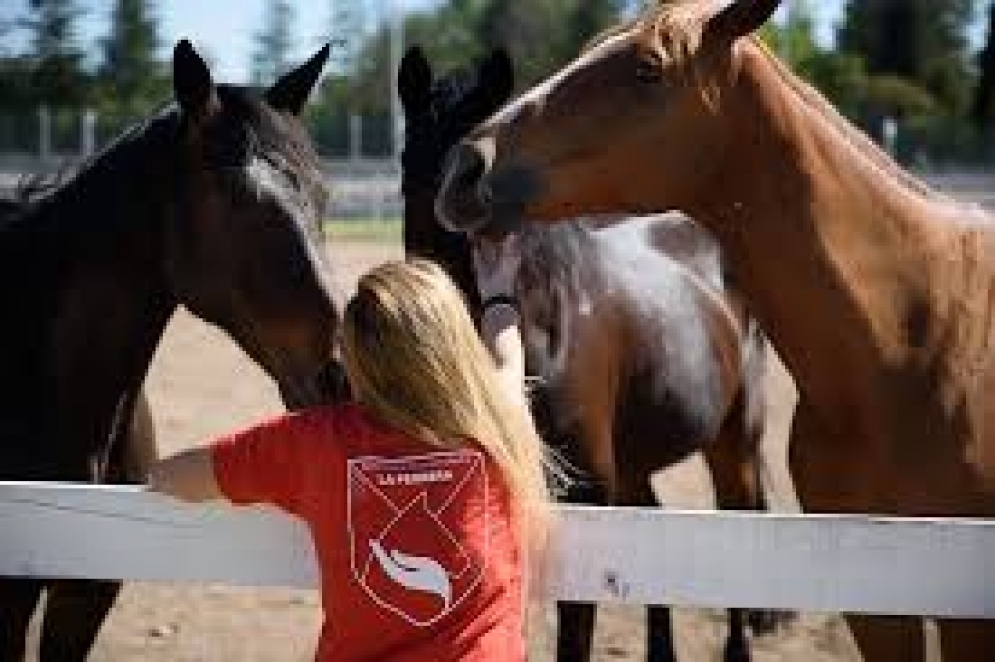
{"type": "Point", "coordinates": [889, 135]}
{"type": "Point", "coordinates": [88, 133]}
{"type": "Point", "coordinates": [44, 133]}
{"type": "Point", "coordinates": [355, 137]}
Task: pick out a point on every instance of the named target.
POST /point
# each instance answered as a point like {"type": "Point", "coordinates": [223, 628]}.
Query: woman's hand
{"type": "Point", "coordinates": [495, 265]}
{"type": "Point", "coordinates": [188, 475]}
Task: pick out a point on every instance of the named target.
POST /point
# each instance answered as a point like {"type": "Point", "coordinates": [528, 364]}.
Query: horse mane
{"type": "Point", "coordinates": [100, 176]}
{"type": "Point", "coordinates": [857, 139]}
{"type": "Point", "coordinates": [59, 196]}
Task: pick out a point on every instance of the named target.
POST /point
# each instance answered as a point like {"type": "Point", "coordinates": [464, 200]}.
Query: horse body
{"type": "Point", "coordinates": [663, 339]}
{"type": "Point", "coordinates": [643, 351]}
{"type": "Point", "coordinates": [876, 291]}
{"type": "Point", "coordinates": [209, 204]}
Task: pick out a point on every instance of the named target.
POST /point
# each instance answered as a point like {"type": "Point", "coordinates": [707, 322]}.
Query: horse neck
{"type": "Point", "coordinates": [424, 237]}
{"type": "Point", "coordinates": [98, 241]}
{"type": "Point", "coordinates": [834, 244]}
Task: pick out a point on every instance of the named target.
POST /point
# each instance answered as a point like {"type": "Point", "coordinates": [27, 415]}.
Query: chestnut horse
{"type": "Point", "coordinates": [214, 204]}
{"type": "Point", "coordinates": [877, 291]}
{"type": "Point", "coordinates": [645, 355]}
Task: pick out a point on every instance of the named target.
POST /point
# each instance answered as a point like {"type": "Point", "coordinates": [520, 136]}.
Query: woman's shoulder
{"type": "Point", "coordinates": [352, 425]}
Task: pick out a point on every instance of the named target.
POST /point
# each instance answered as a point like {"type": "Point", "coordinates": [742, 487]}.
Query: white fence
{"type": "Point", "coordinates": [935, 567]}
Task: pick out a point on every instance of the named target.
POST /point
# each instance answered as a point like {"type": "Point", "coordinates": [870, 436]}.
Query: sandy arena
{"type": "Point", "coordinates": [201, 385]}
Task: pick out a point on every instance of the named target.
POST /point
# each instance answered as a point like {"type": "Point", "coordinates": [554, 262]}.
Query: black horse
{"type": "Point", "coordinates": [644, 352]}
{"type": "Point", "coordinates": [214, 204]}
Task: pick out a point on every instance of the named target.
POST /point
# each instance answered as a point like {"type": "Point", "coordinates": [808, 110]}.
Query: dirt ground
{"type": "Point", "coordinates": [201, 385]}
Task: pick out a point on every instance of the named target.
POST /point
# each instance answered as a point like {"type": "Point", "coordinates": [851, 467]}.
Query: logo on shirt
{"type": "Point", "coordinates": [405, 519]}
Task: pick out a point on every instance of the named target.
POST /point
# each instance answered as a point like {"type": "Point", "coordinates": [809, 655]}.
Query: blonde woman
{"type": "Point", "coordinates": [424, 495]}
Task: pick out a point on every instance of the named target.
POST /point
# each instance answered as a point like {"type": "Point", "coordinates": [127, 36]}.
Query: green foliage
{"type": "Point", "coordinates": [840, 76]}
{"type": "Point", "coordinates": [981, 104]}
{"type": "Point", "coordinates": [921, 41]}
{"type": "Point", "coordinates": [57, 76]}
{"type": "Point", "coordinates": [132, 79]}
{"type": "Point", "coordinates": [904, 58]}
{"type": "Point", "coordinates": [364, 230]}
{"type": "Point", "coordinates": [16, 89]}
{"type": "Point", "coordinates": [899, 97]}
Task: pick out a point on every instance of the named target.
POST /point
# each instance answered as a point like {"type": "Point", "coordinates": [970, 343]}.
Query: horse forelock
{"type": "Point", "coordinates": [675, 27]}
{"type": "Point", "coordinates": [674, 30]}
{"type": "Point", "coordinates": [272, 131]}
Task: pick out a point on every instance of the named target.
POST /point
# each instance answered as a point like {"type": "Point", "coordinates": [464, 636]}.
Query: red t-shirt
{"type": "Point", "coordinates": [419, 557]}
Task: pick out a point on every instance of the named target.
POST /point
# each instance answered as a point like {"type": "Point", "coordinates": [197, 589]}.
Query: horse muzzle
{"type": "Point", "coordinates": [464, 201]}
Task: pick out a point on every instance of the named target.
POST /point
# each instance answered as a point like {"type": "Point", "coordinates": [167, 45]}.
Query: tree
{"type": "Point", "coordinates": [541, 35]}
{"type": "Point", "coordinates": [981, 107]}
{"type": "Point", "coordinates": [346, 33]}
{"type": "Point", "coordinates": [841, 77]}
{"type": "Point", "coordinates": [584, 21]}
{"type": "Point", "coordinates": [923, 42]}
{"type": "Point", "coordinates": [57, 74]}
{"type": "Point", "coordinates": [133, 78]}
{"type": "Point", "coordinates": [274, 43]}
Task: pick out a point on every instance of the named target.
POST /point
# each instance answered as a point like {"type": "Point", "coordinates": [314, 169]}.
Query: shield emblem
{"type": "Point", "coordinates": [405, 516]}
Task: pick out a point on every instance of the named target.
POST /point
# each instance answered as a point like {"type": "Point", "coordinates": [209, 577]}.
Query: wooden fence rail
{"type": "Point", "coordinates": [825, 563]}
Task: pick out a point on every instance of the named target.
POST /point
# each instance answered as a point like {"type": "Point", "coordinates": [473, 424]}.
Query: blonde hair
{"type": "Point", "coordinates": [415, 360]}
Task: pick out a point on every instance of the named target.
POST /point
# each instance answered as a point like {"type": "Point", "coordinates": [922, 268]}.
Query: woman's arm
{"type": "Point", "coordinates": [188, 476]}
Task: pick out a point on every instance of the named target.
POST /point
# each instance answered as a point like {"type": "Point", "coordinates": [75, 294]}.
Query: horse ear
{"type": "Point", "coordinates": [497, 77]}
{"type": "Point", "coordinates": [192, 82]}
{"type": "Point", "coordinates": [414, 81]}
{"type": "Point", "coordinates": [740, 18]}
{"type": "Point", "coordinates": [290, 91]}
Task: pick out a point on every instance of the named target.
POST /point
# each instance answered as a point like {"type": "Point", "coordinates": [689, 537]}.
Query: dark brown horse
{"type": "Point", "coordinates": [645, 355]}
{"type": "Point", "coordinates": [133, 441]}
{"type": "Point", "coordinates": [877, 291]}
{"type": "Point", "coordinates": [213, 204]}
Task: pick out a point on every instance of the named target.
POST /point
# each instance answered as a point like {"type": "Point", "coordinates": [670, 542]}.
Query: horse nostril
{"type": "Point", "coordinates": [485, 193]}
{"type": "Point", "coordinates": [467, 167]}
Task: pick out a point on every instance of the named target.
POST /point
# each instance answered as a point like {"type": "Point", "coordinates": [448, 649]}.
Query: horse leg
{"type": "Point", "coordinates": [575, 630]}
{"type": "Point", "coordinates": [636, 491]}
{"type": "Point", "coordinates": [575, 620]}
{"type": "Point", "coordinates": [74, 612]}
{"type": "Point", "coordinates": [659, 635]}
{"type": "Point", "coordinates": [820, 468]}
{"type": "Point", "coordinates": [966, 640]}
{"type": "Point", "coordinates": [18, 599]}
{"type": "Point", "coordinates": [139, 450]}
{"type": "Point", "coordinates": [76, 608]}
{"type": "Point", "coordinates": [733, 460]}
{"type": "Point", "coordinates": [888, 638]}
